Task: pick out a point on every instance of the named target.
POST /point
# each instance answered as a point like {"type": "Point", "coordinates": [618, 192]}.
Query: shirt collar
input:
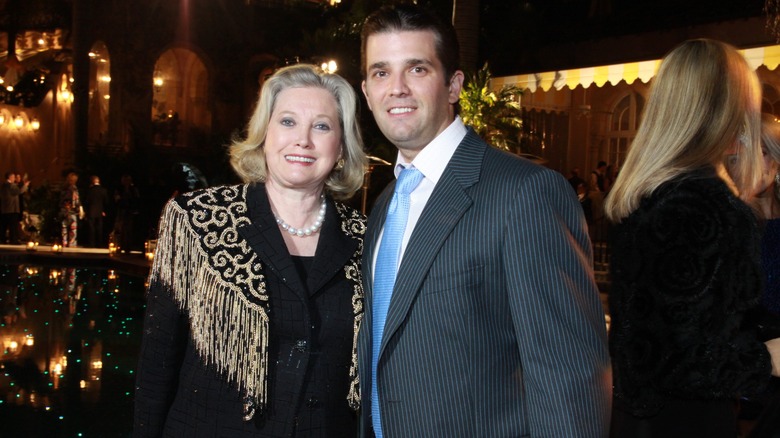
{"type": "Point", "coordinates": [433, 158]}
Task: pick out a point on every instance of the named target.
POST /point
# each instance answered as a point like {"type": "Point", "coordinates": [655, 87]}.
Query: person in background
{"type": "Point", "coordinates": [23, 193]}
{"type": "Point", "coordinates": [765, 407]}
{"type": "Point", "coordinates": [610, 174]}
{"type": "Point", "coordinates": [96, 201]}
{"type": "Point", "coordinates": [71, 210]}
{"type": "Point", "coordinates": [585, 202]}
{"type": "Point", "coordinates": [685, 263]}
{"type": "Point", "coordinates": [575, 180]}
{"type": "Point", "coordinates": [598, 177]}
{"type": "Point", "coordinates": [255, 295]}
{"type": "Point", "coordinates": [10, 213]}
{"type": "Point", "coordinates": [127, 199]}
{"type": "Point", "coordinates": [494, 326]}
{"type": "Point", "coordinates": [597, 226]}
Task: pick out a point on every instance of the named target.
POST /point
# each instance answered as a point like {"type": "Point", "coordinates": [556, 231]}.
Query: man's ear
{"type": "Point", "coordinates": [456, 84]}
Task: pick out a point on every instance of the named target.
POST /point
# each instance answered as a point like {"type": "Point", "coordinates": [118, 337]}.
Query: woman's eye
{"type": "Point", "coordinates": [287, 122]}
{"type": "Point", "coordinates": [322, 127]}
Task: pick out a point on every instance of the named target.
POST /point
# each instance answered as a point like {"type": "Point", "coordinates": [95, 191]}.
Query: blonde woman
{"type": "Point", "coordinates": [255, 295]}
{"type": "Point", "coordinates": [766, 204]}
{"type": "Point", "coordinates": [685, 256]}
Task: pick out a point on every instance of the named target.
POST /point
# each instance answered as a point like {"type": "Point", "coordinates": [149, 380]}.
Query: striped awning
{"type": "Point", "coordinates": [768, 56]}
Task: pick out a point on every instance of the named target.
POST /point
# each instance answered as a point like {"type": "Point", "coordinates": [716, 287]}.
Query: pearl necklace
{"type": "Point", "coordinates": [302, 232]}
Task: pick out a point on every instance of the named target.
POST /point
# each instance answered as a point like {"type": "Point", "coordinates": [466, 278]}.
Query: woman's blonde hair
{"type": "Point", "coordinates": [248, 158]}
{"type": "Point", "coordinates": [704, 100]}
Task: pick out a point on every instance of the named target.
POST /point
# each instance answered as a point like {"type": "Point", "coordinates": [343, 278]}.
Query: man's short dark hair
{"type": "Point", "coordinates": [409, 17]}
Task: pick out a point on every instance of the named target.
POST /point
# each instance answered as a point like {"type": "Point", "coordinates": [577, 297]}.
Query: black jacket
{"type": "Point", "coordinates": [227, 308]}
{"type": "Point", "coordinates": [96, 201]}
{"type": "Point", "coordinates": [685, 275]}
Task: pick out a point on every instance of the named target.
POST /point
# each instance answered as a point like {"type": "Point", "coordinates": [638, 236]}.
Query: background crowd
{"type": "Point", "coordinates": [76, 215]}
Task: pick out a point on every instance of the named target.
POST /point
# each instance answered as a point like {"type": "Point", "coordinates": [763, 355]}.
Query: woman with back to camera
{"type": "Point", "coordinates": [766, 204]}
{"type": "Point", "coordinates": [685, 252]}
{"type": "Point", "coordinates": [255, 293]}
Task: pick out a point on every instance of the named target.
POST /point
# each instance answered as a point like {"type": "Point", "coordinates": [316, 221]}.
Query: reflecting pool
{"type": "Point", "coordinates": [71, 338]}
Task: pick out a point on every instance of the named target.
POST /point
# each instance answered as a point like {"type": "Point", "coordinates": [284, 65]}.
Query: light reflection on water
{"type": "Point", "coordinates": [70, 346]}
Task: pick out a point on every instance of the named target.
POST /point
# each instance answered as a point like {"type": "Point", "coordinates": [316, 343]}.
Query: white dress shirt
{"type": "Point", "coordinates": [431, 162]}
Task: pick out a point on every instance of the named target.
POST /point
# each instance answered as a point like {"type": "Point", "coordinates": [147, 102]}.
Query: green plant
{"type": "Point", "coordinates": [495, 115]}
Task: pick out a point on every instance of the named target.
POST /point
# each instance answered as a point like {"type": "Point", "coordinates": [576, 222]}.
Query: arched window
{"type": "Point", "coordinates": [180, 110]}
{"type": "Point", "coordinates": [623, 126]}
{"type": "Point", "coordinates": [99, 93]}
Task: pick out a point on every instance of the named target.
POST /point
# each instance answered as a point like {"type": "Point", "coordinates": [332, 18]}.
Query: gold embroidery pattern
{"type": "Point", "coordinates": [353, 224]}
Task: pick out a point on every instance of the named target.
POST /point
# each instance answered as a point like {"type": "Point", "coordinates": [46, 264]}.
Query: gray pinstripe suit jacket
{"type": "Point", "coordinates": [495, 328]}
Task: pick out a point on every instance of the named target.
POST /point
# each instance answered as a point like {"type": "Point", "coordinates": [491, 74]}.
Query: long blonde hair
{"type": "Point", "coordinates": [248, 158]}
{"type": "Point", "coordinates": [704, 100]}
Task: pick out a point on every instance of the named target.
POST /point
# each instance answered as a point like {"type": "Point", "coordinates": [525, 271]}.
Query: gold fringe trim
{"type": "Point", "coordinates": [230, 332]}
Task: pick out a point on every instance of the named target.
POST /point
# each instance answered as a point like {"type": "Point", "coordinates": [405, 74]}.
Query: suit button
{"type": "Point", "coordinates": [301, 345]}
{"type": "Point", "coordinates": [312, 402]}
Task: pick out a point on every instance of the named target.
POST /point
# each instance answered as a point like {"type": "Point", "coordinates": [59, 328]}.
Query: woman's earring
{"type": "Point", "coordinates": [340, 164]}
{"type": "Point", "coordinates": [777, 178]}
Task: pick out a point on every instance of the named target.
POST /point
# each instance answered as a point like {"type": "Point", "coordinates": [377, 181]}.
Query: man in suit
{"type": "Point", "coordinates": [96, 202]}
{"type": "Point", "coordinates": [494, 325]}
{"type": "Point", "coordinates": [10, 212]}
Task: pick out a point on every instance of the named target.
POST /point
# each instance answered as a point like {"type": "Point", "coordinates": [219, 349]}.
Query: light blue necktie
{"type": "Point", "coordinates": [386, 269]}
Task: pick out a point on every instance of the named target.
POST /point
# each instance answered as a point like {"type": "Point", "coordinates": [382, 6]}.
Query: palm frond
{"type": "Point", "coordinates": [495, 115]}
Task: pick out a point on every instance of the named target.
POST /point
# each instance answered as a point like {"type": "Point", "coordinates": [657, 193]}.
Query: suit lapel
{"type": "Point", "coordinates": [375, 223]}
{"type": "Point", "coordinates": [447, 204]}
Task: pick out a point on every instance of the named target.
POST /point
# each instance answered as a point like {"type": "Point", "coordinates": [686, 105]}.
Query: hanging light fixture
{"type": "Point", "coordinates": [35, 124]}
{"type": "Point", "coordinates": [19, 121]}
{"type": "Point", "coordinates": [157, 80]}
